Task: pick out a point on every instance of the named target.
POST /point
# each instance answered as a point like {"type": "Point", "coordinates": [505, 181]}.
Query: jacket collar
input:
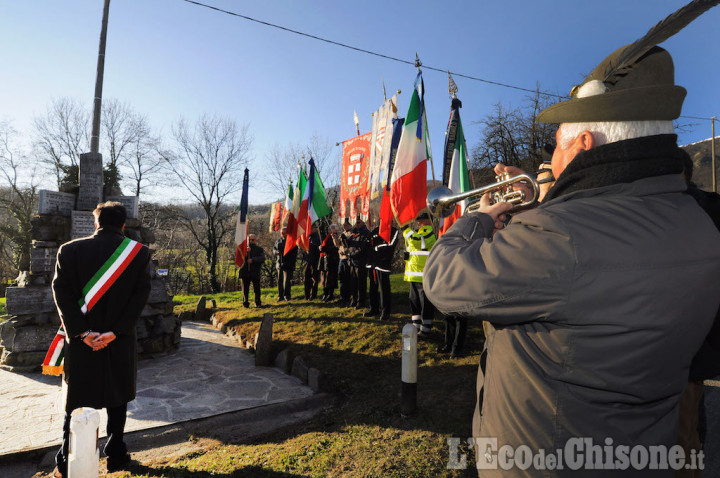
{"type": "Point", "coordinates": [108, 230]}
{"type": "Point", "coordinates": [620, 162]}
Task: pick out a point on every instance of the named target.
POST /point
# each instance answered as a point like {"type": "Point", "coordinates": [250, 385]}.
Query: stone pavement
{"type": "Point", "coordinates": [209, 375]}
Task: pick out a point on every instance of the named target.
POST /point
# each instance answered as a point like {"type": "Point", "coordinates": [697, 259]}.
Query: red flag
{"type": "Point", "coordinates": [275, 217]}
{"type": "Point", "coordinates": [386, 214]}
{"type": "Point", "coordinates": [241, 228]}
{"type": "Point", "coordinates": [354, 176]}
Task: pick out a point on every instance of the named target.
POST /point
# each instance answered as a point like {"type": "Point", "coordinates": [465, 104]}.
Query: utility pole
{"type": "Point", "coordinates": [712, 153]}
{"type": "Point", "coordinates": [95, 138]}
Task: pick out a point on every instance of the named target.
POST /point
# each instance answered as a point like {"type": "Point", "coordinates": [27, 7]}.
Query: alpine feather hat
{"type": "Point", "coordinates": [635, 83]}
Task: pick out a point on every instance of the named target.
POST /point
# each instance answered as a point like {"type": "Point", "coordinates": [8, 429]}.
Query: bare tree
{"type": "Point", "coordinates": [283, 163]}
{"type": "Point", "coordinates": [60, 136]}
{"type": "Point", "coordinates": [512, 137]}
{"type": "Point", "coordinates": [17, 199]}
{"type": "Point", "coordinates": [208, 160]}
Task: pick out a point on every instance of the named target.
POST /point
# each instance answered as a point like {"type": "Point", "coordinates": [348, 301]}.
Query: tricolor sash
{"type": "Point", "coordinates": [91, 294]}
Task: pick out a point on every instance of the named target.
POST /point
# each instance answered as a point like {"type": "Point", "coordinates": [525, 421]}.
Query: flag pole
{"type": "Point", "coordinates": [418, 64]}
{"type": "Point", "coordinates": [452, 90]}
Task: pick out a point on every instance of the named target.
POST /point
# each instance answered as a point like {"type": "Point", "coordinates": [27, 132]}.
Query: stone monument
{"type": "Point", "coordinates": [32, 319]}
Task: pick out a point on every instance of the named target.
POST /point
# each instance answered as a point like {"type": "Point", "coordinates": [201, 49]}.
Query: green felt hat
{"type": "Point", "coordinates": [640, 90]}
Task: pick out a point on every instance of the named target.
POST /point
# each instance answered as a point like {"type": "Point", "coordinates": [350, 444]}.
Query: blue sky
{"type": "Point", "coordinates": [169, 58]}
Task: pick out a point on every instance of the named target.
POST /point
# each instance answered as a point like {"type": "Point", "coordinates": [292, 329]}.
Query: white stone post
{"type": "Point", "coordinates": [84, 458]}
{"type": "Point", "coordinates": [408, 396]}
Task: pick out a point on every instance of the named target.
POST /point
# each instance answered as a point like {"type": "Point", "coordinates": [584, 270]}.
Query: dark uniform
{"type": "Point", "coordinates": [250, 273]}
{"type": "Point", "coordinates": [285, 264]}
{"type": "Point", "coordinates": [329, 261]}
{"type": "Point", "coordinates": [357, 252]}
{"type": "Point", "coordinates": [380, 275]}
{"type": "Point", "coordinates": [105, 378]}
{"type": "Point", "coordinates": [312, 263]}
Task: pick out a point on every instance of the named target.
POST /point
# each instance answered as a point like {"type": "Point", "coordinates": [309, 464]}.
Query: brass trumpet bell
{"type": "Point", "coordinates": [441, 201]}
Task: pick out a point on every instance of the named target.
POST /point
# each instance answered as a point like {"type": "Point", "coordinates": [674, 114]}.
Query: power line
{"type": "Point", "coordinates": [388, 57]}
{"type": "Point", "coordinates": [369, 52]}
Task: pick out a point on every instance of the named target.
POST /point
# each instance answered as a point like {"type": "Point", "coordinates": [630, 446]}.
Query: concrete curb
{"type": "Point", "coordinates": [240, 424]}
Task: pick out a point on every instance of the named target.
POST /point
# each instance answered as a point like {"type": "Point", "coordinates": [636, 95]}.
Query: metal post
{"type": "Point", "coordinates": [95, 138]}
{"type": "Point", "coordinates": [712, 153]}
{"type": "Point", "coordinates": [408, 396]}
{"type": "Point", "coordinates": [84, 456]}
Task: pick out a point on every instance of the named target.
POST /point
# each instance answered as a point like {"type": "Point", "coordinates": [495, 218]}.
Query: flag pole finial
{"type": "Point", "coordinates": [384, 93]}
{"type": "Point", "coordinates": [452, 87]}
{"type": "Point", "coordinates": [418, 63]}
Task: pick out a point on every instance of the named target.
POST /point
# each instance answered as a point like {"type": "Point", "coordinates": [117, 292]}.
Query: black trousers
{"type": "Point", "coordinates": [246, 281]}
{"type": "Point", "coordinates": [423, 311]}
{"type": "Point", "coordinates": [312, 281]}
{"type": "Point", "coordinates": [284, 284]}
{"type": "Point", "coordinates": [115, 445]}
{"type": "Point", "coordinates": [455, 330]}
{"type": "Point", "coordinates": [358, 285]}
{"type": "Point", "coordinates": [344, 279]}
{"type": "Point", "coordinates": [382, 282]}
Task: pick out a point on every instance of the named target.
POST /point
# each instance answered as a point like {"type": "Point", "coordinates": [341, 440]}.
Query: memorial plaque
{"type": "Point", "coordinates": [42, 259]}
{"type": "Point", "coordinates": [28, 300]}
{"type": "Point", "coordinates": [158, 293]}
{"type": "Point", "coordinates": [54, 202]}
{"type": "Point", "coordinates": [130, 203]}
{"type": "Point", "coordinates": [91, 181]}
{"type": "Point", "coordinates": [82, 224]}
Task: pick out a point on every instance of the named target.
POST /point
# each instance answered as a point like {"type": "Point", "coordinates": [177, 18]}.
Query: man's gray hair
{"type": "Point", "coordinates": [610, 132]}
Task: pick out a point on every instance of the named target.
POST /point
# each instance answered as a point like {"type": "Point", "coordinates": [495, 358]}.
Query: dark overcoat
{"type": "Point", "coordinates": [105, 378]}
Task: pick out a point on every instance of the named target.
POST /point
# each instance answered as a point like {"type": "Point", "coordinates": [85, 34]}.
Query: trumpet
{"type": "Point", "coordinates": [441, 201]}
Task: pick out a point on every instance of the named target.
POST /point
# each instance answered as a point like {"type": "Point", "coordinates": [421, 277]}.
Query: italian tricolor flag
{"type": "Point", "coordinates": [409, 176]}
{"type": "Point", "coordinates": [313, 206]}
{"type": "Point", "coordinates": [456, 175]}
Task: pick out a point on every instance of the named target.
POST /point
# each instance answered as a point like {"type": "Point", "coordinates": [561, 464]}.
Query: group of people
{"type": "Point", "coordinates": [342, 262]}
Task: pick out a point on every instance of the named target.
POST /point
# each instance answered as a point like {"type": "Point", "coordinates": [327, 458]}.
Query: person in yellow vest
{"type": "Point", "coordinates": [417, 248]}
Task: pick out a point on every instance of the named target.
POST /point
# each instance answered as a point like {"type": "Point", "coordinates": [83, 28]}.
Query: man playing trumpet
{"type": "Point", "coordinates": [598, 298]}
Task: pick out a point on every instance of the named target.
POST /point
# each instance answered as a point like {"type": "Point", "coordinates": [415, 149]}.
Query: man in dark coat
{"type": "Point", "coordinates": [329, 261]}
{"type": "Point", "coordinates": [285, 264]}
{"type": "Point", "coordinates": [357, 253]}
{"type": "Point", "coordinates": [100, 356]}
{"type": "Point", "coordinates": [341, 242]}
{"type": "Point", "coordinates": [383, 253]}
{"type": "Point", "coordinates": [312, 264]}
{"type": "Point", "coordinates": [251, 270]}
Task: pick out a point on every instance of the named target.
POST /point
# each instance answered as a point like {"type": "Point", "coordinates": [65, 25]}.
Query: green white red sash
{"type": "Point", "coordinates": [91, 294]}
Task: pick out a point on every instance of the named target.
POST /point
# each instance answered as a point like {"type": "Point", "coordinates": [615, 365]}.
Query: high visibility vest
{"type": "Point", "coordinates": [417, 249]}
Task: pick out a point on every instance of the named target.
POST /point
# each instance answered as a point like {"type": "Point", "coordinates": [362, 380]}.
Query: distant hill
{"type": "Point", "coordinates": [700, 153]}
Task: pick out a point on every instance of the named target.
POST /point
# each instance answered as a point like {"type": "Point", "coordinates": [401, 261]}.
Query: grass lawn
{"type": "Point", "coordinates": [365, 435]}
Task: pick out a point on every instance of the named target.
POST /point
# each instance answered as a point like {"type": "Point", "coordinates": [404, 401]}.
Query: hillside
{"type": "Point", "coordinates": [700, 153]}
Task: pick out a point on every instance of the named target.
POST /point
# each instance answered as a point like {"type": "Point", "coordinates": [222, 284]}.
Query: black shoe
{"type": "Point", "coordinates": [371, 313]}
{"type": "Point", "coordinates": [281, 299]}
{"type": "Point", "coordinates": [456, 354]}
{"type": "Point", "coordinates": [359, 307]}
{"type": "Point", "coordinates": [246, 305]}
{"type": "Point", "coordinates": [384, 317]}
{"type": "Point", "coordinates": [443, 349]}
{"type": "Point", "coordinates": [259, 306]}
{"type": "Point", "coordinates": [118, 463]}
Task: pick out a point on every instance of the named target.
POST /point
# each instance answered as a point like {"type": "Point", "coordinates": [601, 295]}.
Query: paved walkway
{"type": "Point", "coordinates": [210, 374]}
